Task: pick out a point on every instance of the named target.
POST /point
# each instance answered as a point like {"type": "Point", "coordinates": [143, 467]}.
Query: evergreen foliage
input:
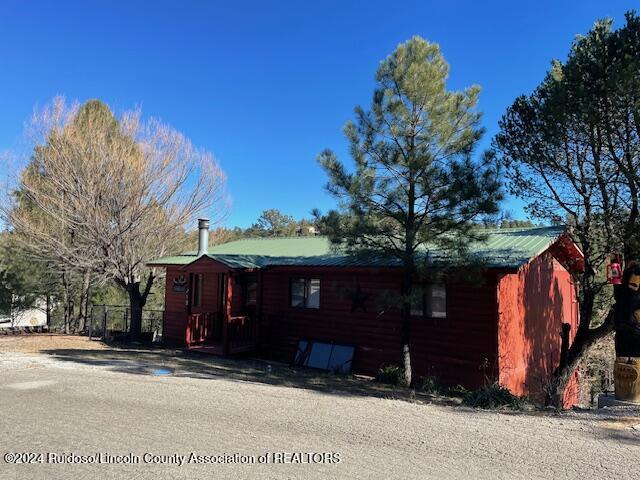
{"type": "Point", "coordinates": [415, 181]}
{"type": "Point", "coordinates": [572, 152]}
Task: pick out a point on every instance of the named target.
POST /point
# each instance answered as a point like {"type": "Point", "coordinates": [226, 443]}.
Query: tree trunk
{"type": "Point", "coordinates": [84, 300]}
{"type": "Point", "coordinates": [405, 316]}
{"type": "Point", "coordinates": [407, 275]}
{"type": "Point", "coordinates": [406, 345]}
{"type": "Point", "coordinates": [66, 302]}
{"type": "Point", "coordinates": [72, 314]}
{"type": "Point", "coordinates": [137, 301]}
{"type": "Point", "coordinates": [135, 305]}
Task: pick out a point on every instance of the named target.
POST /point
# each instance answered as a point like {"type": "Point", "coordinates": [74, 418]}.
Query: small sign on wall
{"type": "Point", "coordinates": [179, 283]}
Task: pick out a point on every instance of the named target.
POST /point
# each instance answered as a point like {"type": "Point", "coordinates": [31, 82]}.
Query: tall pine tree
{"type": "Point", "coordinates": [415, 183]}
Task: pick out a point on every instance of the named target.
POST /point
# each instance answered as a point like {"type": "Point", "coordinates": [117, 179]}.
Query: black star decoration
{"type": "Point", "coordinates": [358, 299]}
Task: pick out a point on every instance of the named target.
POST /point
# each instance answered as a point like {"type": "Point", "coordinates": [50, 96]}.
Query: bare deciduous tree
{"type": "Point", "coordinates": [103, 195]}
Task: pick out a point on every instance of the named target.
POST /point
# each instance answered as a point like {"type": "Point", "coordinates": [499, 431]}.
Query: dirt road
{"type": "Point", "coordinates": [115, 407]}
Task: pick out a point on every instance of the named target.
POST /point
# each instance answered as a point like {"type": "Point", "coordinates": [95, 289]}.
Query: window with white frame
{"type": "Point", "coordinates": [429, 301]}
{"type": "Point", "coordinates": [305, 293]}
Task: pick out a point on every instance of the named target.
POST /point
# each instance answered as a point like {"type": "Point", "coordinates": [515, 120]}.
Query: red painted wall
{"type": "Point", "coordinates": [376, 333]}
{"type": "Point", "coordinates": [533, 304]}
{"type": "Point", "coordinates": [461, 349]}
{"type": "Point", "coordinates": [176, 309]}
{"type": "Point", "coordinates": [505, 327]}
{"type": "Point", "coordinates": [453, 349]}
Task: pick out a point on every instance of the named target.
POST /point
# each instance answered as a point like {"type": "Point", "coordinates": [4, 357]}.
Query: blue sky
{"type": "Point", "coordinates": [266, 86]}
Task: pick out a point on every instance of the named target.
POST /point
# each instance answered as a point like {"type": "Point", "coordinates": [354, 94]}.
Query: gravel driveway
{"type": "Point", "coordinates": [160, 409]}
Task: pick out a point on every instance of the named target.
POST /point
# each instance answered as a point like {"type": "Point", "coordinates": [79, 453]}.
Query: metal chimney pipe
{"type": "Point", "coordinates": [203, 236]}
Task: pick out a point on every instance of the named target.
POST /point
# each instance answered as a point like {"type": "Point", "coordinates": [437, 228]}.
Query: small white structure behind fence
{"type": "Point", "coordinates": [33, 317]}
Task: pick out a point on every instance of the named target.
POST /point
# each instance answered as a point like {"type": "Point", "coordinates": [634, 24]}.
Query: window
{"type": "Point", "coordinates": [417, 301]}
{"type": "Point", "coordinates": [196, 288]}
{"type": "Point", "coordinates": [429, 301]}
{"type": "Point", "coordinates": [305, 292]}
{"type": "Point", "coordinates": [437, 301]}
{"type": "Point", "coordinates": [250, 290]}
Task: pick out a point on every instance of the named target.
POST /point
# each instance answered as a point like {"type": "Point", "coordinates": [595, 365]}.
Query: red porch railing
{"type": "Point", "coordinates": [242, 332]}
{"type": "Point", "coordinates": [204, 327]}
{"type": "Point", "coordinates": [208, 328]}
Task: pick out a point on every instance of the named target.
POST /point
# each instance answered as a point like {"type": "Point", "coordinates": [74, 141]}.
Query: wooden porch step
{"type": "Point", "coordinates": [212, 349]}
{"type": "Point", "coordinates": [218, 349]}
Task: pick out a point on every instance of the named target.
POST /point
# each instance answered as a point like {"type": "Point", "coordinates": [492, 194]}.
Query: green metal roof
{"type": "Point", "coordinates": [504, 248]}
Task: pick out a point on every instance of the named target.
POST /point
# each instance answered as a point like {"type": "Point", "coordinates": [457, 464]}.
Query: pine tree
{"type": "Point", "coordinates": [572, 152]}
{"type": "Point", "coordinates": [414, 183]}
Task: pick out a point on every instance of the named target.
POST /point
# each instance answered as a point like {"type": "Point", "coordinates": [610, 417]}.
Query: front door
{"type": "Point", "coordinates": [205, 306]}
{"type": "Point", "coordinates": [220, 296]}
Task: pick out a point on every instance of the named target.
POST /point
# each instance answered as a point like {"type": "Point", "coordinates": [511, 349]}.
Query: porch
{"type": "Point", "coordinates": [215, 333]}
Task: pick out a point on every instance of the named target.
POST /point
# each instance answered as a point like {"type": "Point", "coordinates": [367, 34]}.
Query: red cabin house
{"type": "Point", "coordinates": [265, 295]}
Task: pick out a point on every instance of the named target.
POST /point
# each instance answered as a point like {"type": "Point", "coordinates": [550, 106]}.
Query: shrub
{"type": "Point", "coordinates": [391, 375]}
{"type": "Point", "coordinates": [493, 396]}
{"type": "Point", "coordinates": [596, 371]}
{"type": "Point", "coordinates": [433, 386]}
{"type": "Point", "coordinates": [457, 391]}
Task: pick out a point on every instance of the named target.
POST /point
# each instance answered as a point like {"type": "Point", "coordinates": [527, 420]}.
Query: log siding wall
{"type": "Point", "coordinates": [176, 307]}
{"type": "Point", "coordinates": [504, 327]}
{"type": "Point", "coordinates": [454, 348]}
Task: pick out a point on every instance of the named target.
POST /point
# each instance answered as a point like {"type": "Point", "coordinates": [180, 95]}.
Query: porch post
{"type": "Point", "coordinates": [227, 315]}
{"type": "Point", "coordinates": [258, 320]}
{"type": "Point", "coordinates": [187, 331]}
{"type": "Point", "coordinates": [187, 305]}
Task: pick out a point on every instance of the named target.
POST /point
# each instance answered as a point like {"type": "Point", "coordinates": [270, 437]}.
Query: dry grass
{"type": "Point", "coordinates": [40, 342]}
{"type": "Point", "coordinates": [596, 371]}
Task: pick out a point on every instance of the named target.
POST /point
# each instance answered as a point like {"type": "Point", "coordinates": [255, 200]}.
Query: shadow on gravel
{"type": "Point", "coordinates": [178, 363]}
{"type": "Point", "coordinates": [612, 425]}
{"type": "Point", "coordinates": [627, 437]}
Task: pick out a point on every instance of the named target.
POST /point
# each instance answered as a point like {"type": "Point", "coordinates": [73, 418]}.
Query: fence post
{"type": "Point", "coordinates": [104, 322]}
{"type": "Point", "coordinates": [90, 323]}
